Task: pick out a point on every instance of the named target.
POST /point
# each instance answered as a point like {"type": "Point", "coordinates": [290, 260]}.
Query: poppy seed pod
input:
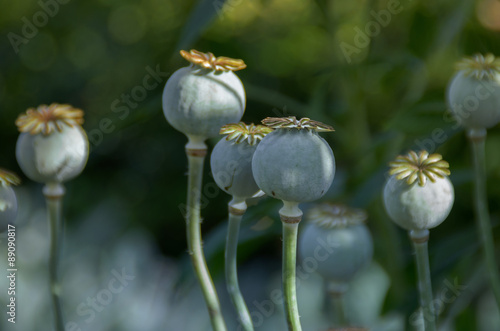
{"type": "Point", "coordinates": [8, 201]}
{"type": "Point", "coordinates": [199, 99]}
{"type": "Point", "coordinates": [338, 239]}
{"type": "Point", "coordinates": [474, 92]}
{"type": "Point", "coordinates": [52, 146]}
{"type": "Point", "coordinates": [418, 195]}
{"type": "Point", "coordinates": [293, 163]}
{"type": "Point", "coordinates": [231, 159]}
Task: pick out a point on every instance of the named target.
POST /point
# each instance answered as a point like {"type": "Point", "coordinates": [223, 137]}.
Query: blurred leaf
{"type": "Point", "coordinates": [201, 16]}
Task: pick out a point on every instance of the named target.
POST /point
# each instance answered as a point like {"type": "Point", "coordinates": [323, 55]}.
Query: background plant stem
{"type": "Point", "coordinates": [195, 164]}
{"type": "Point", "coordinates": [232, 272]}
{"type": "Point", "coordinates": [53, 197]}
{"type": "Point", "coordinates": [477, 139]}
{"type": "Point", "coordinates": [336, 293]}
{"type": "Point", "coordinates": [289, 275]}
{"type": "Point", "coordinates": [419, 239]}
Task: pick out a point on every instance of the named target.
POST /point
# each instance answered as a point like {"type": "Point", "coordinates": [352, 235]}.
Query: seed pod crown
{"type": "Point", "coordinates": [48, 119]}
{"type": "Point", "coordinates": [421, 167]}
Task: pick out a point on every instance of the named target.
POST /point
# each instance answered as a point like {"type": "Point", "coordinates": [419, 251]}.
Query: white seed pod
{"type": "Point", "coordinates": [198, 100]}
{"type": "Point", "coordinates": [52, 146]}
{"type": "Point", "coordinates": [419, 195]}
{"type": "Point", "coordinates": [473, 93]}
{"type": "Point", "coordinates": [337, 240]}
{"type": "Point", "coordinates": [293, 163]}
{"type": "Point", "coordinates": [231, 159]}
{"type": "Point", "coordinates": [8, 201]}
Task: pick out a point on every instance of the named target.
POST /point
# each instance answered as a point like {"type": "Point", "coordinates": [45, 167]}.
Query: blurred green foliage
{"type": "Point", "coordinates": [388, 98]}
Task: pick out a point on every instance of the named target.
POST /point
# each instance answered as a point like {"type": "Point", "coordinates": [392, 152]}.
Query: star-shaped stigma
{"type": "Point", "coordinates": [421, 167]}
{"type": "Point", "coordinates": [330, 216]}
{"type": "Point", "coordinates": [209, 61]}
{"type": "Point", "coordinates": [47, 119]}
{"type": "Point", "coordinates": [240, 132]}
{"type": "Point", "coordinates": [8, 178]}
{"type": "Point", "coordinates": [480, 66]}
{"type": "Point", "coordinates": [291, 122]}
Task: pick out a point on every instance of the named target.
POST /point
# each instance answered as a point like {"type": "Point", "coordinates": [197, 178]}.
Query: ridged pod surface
{"type": "Point", "coordinates": [199, 99]}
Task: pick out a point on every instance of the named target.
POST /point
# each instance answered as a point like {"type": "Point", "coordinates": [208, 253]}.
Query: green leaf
{"type": "Point", "coordinates": [201, 16]}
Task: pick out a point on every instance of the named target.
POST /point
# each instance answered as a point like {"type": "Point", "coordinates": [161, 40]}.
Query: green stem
{"type": "Point", "coordinates": [235, 215]}
{"type": "Point", "coordinates": [196, 158]}
{"type": "Point", "coordinates": [54, 193]}
{"type": "Point", "coordinates": [290, 217]}
{"type": "Point", "coordinates": [420, 239]}
{"type": "Point", "coordinates": [477, 138]}
{"type": "Point", "coordinates": [337, 291]}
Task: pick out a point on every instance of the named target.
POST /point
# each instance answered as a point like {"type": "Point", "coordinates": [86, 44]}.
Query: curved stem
{"type": "Point", "coordinates": [196, 158]}
{"type": "Point", "coordinates": [235, 216]}
{"type": "Point", "coordinates": [420, 239]}
{"type": "Point", "coordinates": [53, 196]}
{"type": "Point", "coordinates": [477, 139]}
{"type": "Point", "coordinates": [290, 217]}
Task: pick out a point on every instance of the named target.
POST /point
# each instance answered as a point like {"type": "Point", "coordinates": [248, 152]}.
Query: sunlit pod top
{"type": "Point", "coordinates": [240, 132]}
{"type": "Point", "coordinates": [329, 216]}
{"type": "Point", "coordinates": [419, 167]}
{"type": "Point", "coordinates": [292, 122]}
{"type": "Point", "coordinates": [48, 119]}
{"type": "Point", "coordinates": [209, 61]}
{"type": "Point", "coordinates": [8, 178]}
{"type": "Point", "coordinates": [479, 66]}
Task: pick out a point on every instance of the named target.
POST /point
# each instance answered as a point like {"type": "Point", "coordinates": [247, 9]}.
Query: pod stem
{"type": "Point", "coordinates": [336, 292]}
{"type": "Point", "coordinates": [236, 211]}
{"type": "Point", "coordinates": [477, 139]}
{"type": "Point", "coordinates": [290, 217]}
{"type": "Point", "coordinates": [54, 193]}
{"type": "Point", "coordinates": [196, 157]}
{"type": "Point", "coordinates": [420, 239]}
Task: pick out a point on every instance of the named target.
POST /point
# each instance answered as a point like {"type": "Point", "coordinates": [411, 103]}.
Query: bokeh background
{"type": "Point", "coordinates": [122, 214]}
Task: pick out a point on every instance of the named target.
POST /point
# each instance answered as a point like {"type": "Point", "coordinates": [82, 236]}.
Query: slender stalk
{"type": "Point", "coordinates": [235, 215]}
{"type": "Point", "coordinates": [420, 239]}
{"type": "Point", "coordinates": [290, 217]}
{"type": "Point", "coordinates": [336, 292]}
{"type": "Point", "coordinates": [477, 139]}
{"type": "Point", "coordinates": [289, 282]}
{"type": "Point", "coordinates": [54, 193]}
{"type": "Point", "coordinates": [196, 158]}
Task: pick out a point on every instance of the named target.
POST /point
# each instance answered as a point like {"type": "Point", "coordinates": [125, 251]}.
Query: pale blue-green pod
{"type": "Point", "coordinates": [231, 159]}
{"type": "Point", "coordinates": [199, 99]}
{"type": "Point", "coordinates": [473, 93]}
{"type": "Point", "coordinates": [418, 195]}
{"type": "Point", "coordinates": [52, 146]}
{"type": "Point", "coordinates": [294, 163]}
{"type": "Point", "coordinates": [336, 242]}
{"type": "Point", "coordinates": [8, 200]}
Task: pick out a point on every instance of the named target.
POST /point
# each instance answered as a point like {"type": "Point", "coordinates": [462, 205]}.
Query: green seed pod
{"type": "Point", "coordinates": [231, 159]}
{"type": "Point", "coordinates": [338, 240]}
{"type": "Point", "coordinates": [473, 94]}
{"type": "Point", "coordinates": [293, 163]}
{"type": "Point", "coordinates": [8, 201]}
{"type": "Point", "coordinates": [425, 198]}
{"type": "Point", "coordinates": [52, 146]}
{"type": "Point", "coordinates": [198, 100]}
